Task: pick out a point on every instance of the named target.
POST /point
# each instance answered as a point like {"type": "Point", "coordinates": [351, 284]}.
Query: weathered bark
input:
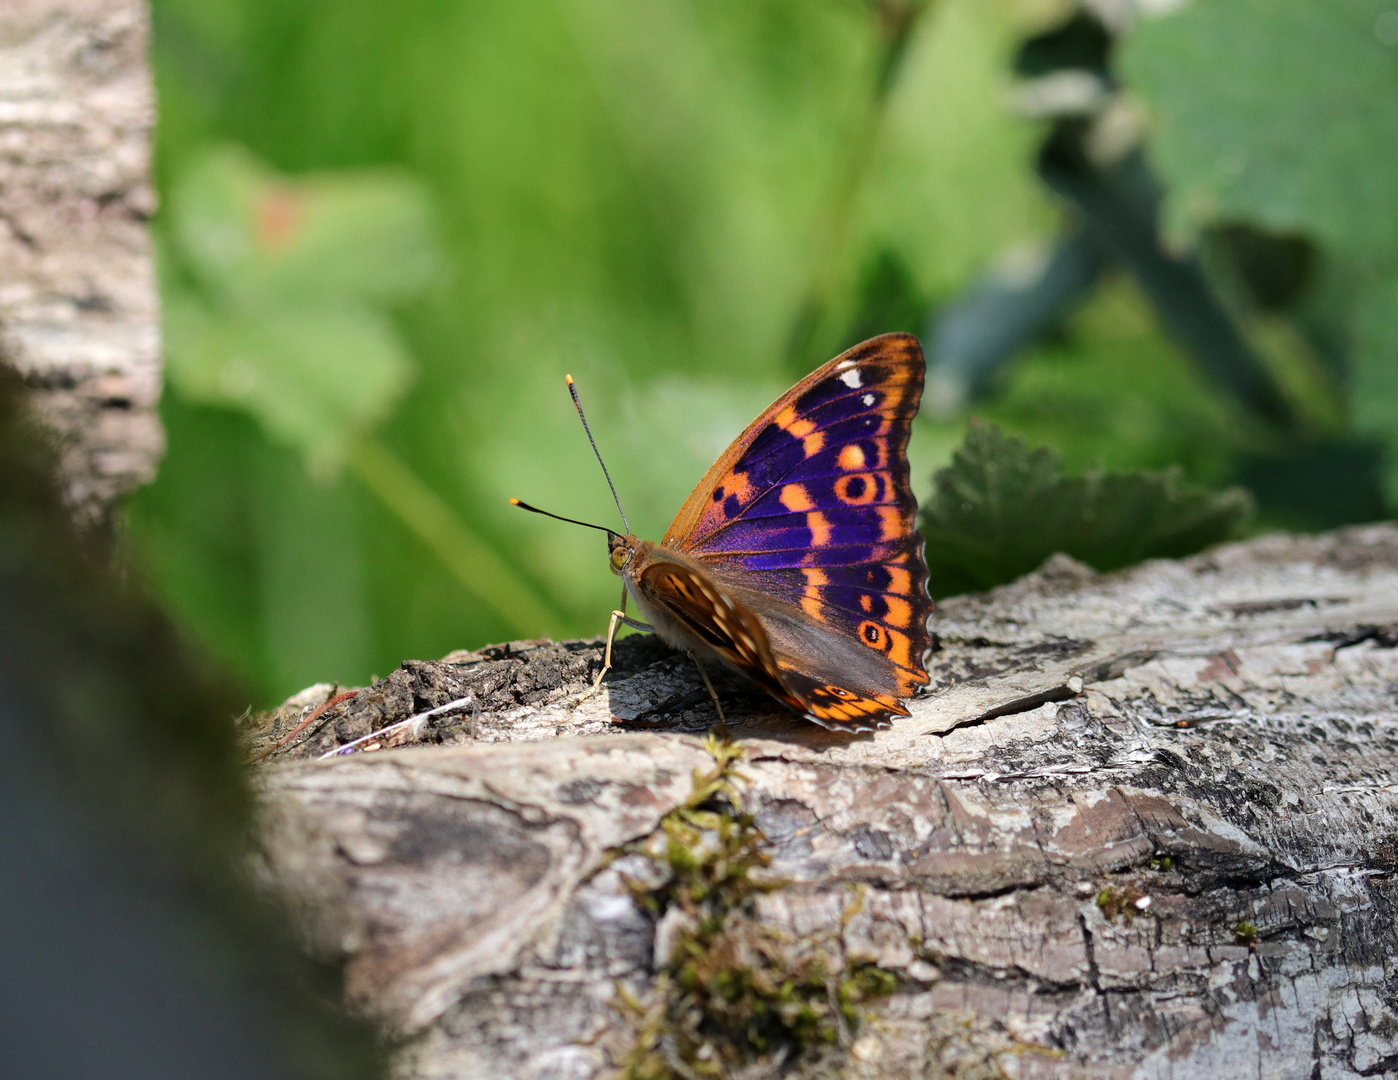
{"type": "Point", "coordinates": [1143, 824]}
{"type": "Point", "coordinates": [78, 309]}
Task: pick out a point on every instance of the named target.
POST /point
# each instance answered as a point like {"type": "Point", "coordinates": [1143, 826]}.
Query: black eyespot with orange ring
{"type": "Point", "coordinates": [873, 635]}
{"type": "Point", "coordinates": [857, 489]}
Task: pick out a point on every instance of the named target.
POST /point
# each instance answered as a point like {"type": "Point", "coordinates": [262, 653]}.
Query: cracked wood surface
{"type": "Point", "coordinates": [1141, 825]}
{"type": "Point", "coordinates": [78, 310]}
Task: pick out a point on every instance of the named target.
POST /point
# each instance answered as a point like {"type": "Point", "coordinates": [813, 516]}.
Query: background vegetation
{"type": "Point", "coordinates": [1149, 239]}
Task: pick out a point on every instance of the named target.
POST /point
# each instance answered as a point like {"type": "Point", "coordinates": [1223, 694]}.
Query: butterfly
{"type": "Point", "coordinates": [796, 561]}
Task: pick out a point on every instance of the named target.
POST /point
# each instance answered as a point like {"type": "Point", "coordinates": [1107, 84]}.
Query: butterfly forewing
{"type": "Point", "coordinates": [848, 421]}
{"type": "Point", "coordinates": [812, 507]}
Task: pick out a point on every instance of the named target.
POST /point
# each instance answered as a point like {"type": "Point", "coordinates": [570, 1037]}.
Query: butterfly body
{"type": "Point", "coordinates": [796, 560]}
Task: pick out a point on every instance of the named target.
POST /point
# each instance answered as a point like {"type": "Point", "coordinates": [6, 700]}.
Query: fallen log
{"type": "Point", "coordinates": [1141, 824]}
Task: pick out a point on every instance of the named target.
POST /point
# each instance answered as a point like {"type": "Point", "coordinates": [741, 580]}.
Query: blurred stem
{"type": "Point", "coordinates": [469, 558]}
{"type": "Point", "coordinates": [897, 19]}
{"type": "Point", "coordinates": [1316, 399]}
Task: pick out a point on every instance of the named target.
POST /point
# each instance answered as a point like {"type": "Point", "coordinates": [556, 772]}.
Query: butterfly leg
{"type": "Point", "coordinates": [618, 616]}
{"type": "Point", "coordinates": [722, 720]}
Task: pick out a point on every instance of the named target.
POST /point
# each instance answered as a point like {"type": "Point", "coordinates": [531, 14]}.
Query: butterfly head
{"type": "Point", "coordinates": [620, 551]}
{"type": "Point", "coordinates": [621, 547]}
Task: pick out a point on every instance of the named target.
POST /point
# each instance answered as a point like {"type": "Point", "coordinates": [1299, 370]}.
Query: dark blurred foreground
{"type": "Point", "coordinates": [130, 942]}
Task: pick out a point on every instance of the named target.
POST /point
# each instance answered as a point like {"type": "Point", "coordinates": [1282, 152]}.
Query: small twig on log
{"type": "Point", "coordinates": [420, 719]}
{"type": "Point", "coordinates": [319, 711]}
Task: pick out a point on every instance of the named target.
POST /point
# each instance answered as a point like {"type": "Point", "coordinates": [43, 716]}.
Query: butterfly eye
{"type": "Point", "coordinates": [618, 559]}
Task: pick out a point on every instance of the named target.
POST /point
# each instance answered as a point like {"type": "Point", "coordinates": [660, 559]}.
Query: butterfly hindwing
{"type": "Point", "coordinates": [833, 706]}
{"type": "Point", "coordinates": [812, 507]}
{"type": "Point", "coordinates": [709, 616]}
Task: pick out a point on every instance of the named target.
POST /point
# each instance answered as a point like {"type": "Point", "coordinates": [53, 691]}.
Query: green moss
{"type": "Point", "coordinates": [1122, 902]}
{"type": "Point", "coordinates": [732, 992]}
{"type": "Point", "coordinates": [1245, 933]}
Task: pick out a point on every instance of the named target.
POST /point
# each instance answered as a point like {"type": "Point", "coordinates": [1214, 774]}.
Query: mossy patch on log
{"type": "Point", "coordinates": [732, 992]}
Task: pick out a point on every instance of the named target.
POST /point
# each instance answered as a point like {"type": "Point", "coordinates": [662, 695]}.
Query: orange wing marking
{"type": "Point", "coordinates": [789, 420]}
{"type": "Point", "coordinates": [801, 427]}
{"type": "Point", "coordinates": [899, 648]}
{"type": "Point", "coordinates": [796, 498]}
{"type": "Point", "coordinates": [899, 613]}
{"type": "Point", "coordinates": [811, 596]}
{"type": "Point", "coordinates": [892, 522]}
{"type": "Point", "coordinates": [900, 580]}
{"type": "Point", "coordinates": [851, 706]}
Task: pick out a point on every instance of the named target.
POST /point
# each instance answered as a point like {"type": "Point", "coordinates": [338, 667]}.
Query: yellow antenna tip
{"type": "Point", "coordinates": [514, 501]}
{"type": "Point", "coordinates": [568, 379]}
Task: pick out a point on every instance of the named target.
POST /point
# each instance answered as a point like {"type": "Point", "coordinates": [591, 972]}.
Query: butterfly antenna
{"type": "Point", "coordinates": [615, 497]}
{"type": "Point", "coordinates": [557, 517]}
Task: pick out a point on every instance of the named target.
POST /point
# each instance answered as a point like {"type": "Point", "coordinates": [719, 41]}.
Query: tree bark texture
{"type": "Point", "coordinates": [1141, 825]}
{"type": "Point", "coordinates": [78, 308]}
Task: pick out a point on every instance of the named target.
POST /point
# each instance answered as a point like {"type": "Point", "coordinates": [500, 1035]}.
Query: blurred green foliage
{"type": "Point", "coordinates": [1282, 114]}
{"type": "Point", "coordinates": [273, 296]}
{"type": "Point", "coordinates": [388, 232]}
{"type": "Point", "coordinates": [1277, 112]}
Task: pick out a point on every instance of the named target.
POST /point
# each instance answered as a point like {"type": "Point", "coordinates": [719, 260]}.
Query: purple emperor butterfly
{"type": "Point", "coordinates": [797, 560]}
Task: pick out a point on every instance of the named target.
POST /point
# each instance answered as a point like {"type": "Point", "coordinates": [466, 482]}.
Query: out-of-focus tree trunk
{"type": "Point", "coordinates": [78, 308]}
{"type": "Point", "coordinates": [1144, 824]}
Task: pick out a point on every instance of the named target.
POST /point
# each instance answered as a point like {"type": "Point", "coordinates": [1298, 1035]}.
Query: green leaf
{"type": "Point", "coordinates": [273, 290]}
{"type": "Point", "coordinates": [1000, 509]}
{"type": "Point", "coordinates": [257, 237]}
{"type": "Point", "coordinates": [1280, 112]}
{"type": "Point", "coordinates": [315, 378]}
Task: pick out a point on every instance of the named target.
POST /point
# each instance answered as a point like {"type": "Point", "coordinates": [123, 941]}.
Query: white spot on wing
{"type": "Point", "coordinates": [851, 378]}
{"type": "Point", "coordinates": [844, 364]}
{"type": "Point", "coordinates": [869, 399]}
